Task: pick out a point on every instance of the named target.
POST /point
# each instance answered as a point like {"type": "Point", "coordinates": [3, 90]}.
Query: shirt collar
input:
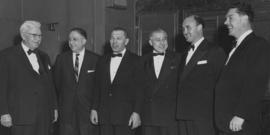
{"type": "Point", "coordinates": [242, 37]}
{"type": "Point", "coordinates": [25, 48]}
{"type": "Point", "coordinates": [196, 44]}
{"type": "Point", "coordinates": [81, 53]}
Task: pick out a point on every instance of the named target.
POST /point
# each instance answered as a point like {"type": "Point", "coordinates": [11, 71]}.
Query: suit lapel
{"type": "Point", "coordinates": [107, 70]}
{"type": "Point", "coordinates": [240, 48]}
{"type": "Point", "coordinates": [24, 59]}
{"type": "Point", "coordinates": [70, 67]}
{"type": "Point", "coordinates": [198, 54]}
{"type": "Point", "coordinates": [123, 67]}
{"type": "Point", "coordinates": [150, 67]}
{"type": "Point", "coordinates": [165, 70]}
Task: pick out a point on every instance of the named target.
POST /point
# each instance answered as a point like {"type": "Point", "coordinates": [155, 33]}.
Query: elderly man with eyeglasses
{"type": "Point", "coordinates": [27, 98]}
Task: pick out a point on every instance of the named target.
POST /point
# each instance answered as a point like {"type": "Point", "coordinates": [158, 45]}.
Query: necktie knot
{"type": "Point", "coordinates": [116, 55]}
{"type": "Point", "coordinates": [29, 52]}
{"type": "Point", "coordinates": [157, 54]}
{"type": "Point", "coordinates": [77, 54]}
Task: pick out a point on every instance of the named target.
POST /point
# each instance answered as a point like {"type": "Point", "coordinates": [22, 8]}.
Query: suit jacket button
{"type": "Point", "coordinates": [110, 94]}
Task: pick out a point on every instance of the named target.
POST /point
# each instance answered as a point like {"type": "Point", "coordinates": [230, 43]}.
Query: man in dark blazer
{"type": "Point", "coordinates": [27, 98]}
{"type": "Point", "coordinates": [118, 100]}
{"type": "Point", "coordinates": [199, 70]}
{"type": "Point", "coordinates": [244, 78]}
{"type": "Point", "coordinates": [160, 87]}
{"type": "Point", "coordinates": [74, 73]}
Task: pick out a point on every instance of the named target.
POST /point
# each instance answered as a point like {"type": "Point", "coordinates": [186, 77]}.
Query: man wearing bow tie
{"type": "Point", "coordinates": [74, 73]}
{"type": "Point", "coordinates": [160, 87]}
{"type": "Point", "coordinates": [27, 96]}
{"type": "Point", "coordinates": [117, 105]}
{"type": "Point", "coordinates": [199, 70]}
{"type": "Point", "coordinates": [245, 76]}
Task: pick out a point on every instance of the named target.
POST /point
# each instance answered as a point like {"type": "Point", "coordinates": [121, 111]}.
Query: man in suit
{"type": "Point", "coordinates": [118, 100]}
{"type": "Point", "coordinates": [244, 78]}
{"type": "Point", "coordinates": [74, 73]}
{"type": "Point", "coordinates": [27, 92]}
{"type": "Point", "coordinates": [160, 89]}
{"type": "Point", "coordinates": [199, 70]}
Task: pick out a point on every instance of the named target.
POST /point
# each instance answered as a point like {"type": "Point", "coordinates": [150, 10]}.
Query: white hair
{"type": "Point", "coordinates": [29, 25]}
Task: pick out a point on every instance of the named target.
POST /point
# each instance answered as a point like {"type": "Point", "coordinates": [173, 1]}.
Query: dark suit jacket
{"type": "Point", "coordinates": [116, 101]}
{"type": "Point", "coordinates": [242, 85]}
{"type": "Point", "coordinates": [25, 93]}
{"type": "Point", "coordinates": [74, 96]}
{"type": "Point", "coordinates": [160, 94]}
{"type": "Point", "coordinates": [198, 78]}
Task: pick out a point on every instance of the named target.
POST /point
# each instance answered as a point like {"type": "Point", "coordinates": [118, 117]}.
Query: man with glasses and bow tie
{"type": "Point", "coordinates": [74, 73]}
{"type": "Point", "coordinates": [117, 106]}
{"type": "Point", "coordinates": [160, 70]}
{"type": "Point", "coordinates": [27, 96]}
{"type": "Point", "coordinates": [200, 67]}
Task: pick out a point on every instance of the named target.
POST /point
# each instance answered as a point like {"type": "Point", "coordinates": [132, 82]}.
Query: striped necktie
{"type": "Point", "coordinates": [76, 67]}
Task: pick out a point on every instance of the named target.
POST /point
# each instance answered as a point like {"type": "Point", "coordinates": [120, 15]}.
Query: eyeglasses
{"type": "Point", "coordinates": [34, 35]}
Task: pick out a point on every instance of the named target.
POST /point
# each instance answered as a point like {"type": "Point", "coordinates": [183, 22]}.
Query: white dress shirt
{"type": "Point", "coordinates": [114, 64]}
{"type": "Point", "coordinates": [192, 51]}
{"type": "Point", "coordinates": [81, 56]}
{"type": "Point", "coordinates": [239, 41]}
{"type": "Point", "coordinates": [32, 58]}
{"type": "Point", "coordinates": [158, 60]}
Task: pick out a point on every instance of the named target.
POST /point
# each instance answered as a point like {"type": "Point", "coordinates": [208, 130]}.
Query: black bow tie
{"type": "Point", "coordinates": [191, 47]}
{"type": "Point", "coordinates": [157, 54]}
{"type": "Point", "coordinates": [31, 51]}
{"type": "Point", "coordinates": [116, 55]}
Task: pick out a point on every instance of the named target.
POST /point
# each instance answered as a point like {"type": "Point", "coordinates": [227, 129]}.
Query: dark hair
{"type": "Point", "coordinates": [199, 20]}
{"type": "Point", "coordinates": [159, 30]}
{"type": "Point", "coordinates": [244, 9]}
{"type": "Point", "coordinates": [121, 29]}
{"type": "Point", "coordinates": [80, 31]}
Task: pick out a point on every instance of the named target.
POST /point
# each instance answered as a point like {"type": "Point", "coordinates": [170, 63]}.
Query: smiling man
{"type": "Point", "coordinates": [244, 78]}
{"type": "Point", "coordinates": [160, 70]}
{"type": "Point", "coordinates": [117, 105]}
{"type": "Point", "coordinates": [74, 73]}
{"type": "Point", "coordinates": [199, 71]}
{"type": "Point", "coordinates": [27, 96]}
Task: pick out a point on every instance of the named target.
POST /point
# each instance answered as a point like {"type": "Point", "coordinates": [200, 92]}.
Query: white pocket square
{"type": "Point", "coordinates": [49, 67]}
{"type": "Point", "coordinates": [90, 71]}
{"type": "Point", "coordinates": [202, 62]}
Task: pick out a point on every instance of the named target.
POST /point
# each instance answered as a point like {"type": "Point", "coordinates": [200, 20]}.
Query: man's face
{"type": "Point", "coordinates": [118, 41]}
{"type": "Point", "coordinates": [32, 38]}
{"type": "Point", "coordinates": [76, 42]}
{"type": "Point", "coordinates": [233, 22]}
{"type": "Point", "coordinates": [159, 42]}
{"type": "Point", "coordinates": [191, 31]}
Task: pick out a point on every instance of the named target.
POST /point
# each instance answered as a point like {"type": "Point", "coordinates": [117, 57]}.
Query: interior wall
{"type": "Point", "coordinates": [125, 18]}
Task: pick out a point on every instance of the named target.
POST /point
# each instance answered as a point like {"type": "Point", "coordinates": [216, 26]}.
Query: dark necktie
{"type": "Point", "coordinates": [158, 54]}
{"type": "Point", "coordinates": [116, 55]}
{"type": "Point", "coordinates": [76, 67]}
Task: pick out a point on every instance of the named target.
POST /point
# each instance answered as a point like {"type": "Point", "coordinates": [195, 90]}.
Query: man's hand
{"type": "Point", "coordinates": [55, 116]}
{"type": "Point", "coordinates": [134, 121]}
{"type": "Point", "coordinates": [236, 124]}
{"type": "Point", "coordinates": [6, 120]}
{"type": "Point", "coordinates": [94, 117]}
